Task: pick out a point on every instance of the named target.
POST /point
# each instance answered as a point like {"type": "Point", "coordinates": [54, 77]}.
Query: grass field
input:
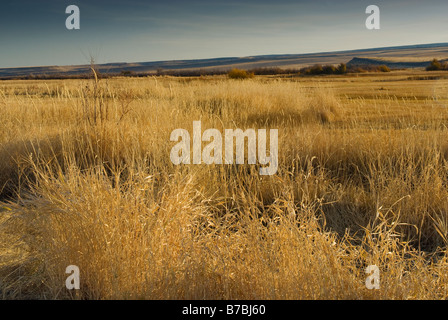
{"type": "Point", "coordinates": [86, 179]}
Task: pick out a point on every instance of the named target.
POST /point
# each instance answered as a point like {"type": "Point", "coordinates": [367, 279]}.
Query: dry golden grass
{"type": "Point", "coordinates": [86, 179]}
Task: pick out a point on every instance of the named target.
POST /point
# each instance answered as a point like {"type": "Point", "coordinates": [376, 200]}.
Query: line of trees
{"type": "Point", "coordinates": [234, 73]}
{"type": "Point", "coordinates": [342, 69]}
{"type": "Point", "coordinates": [326, 69]}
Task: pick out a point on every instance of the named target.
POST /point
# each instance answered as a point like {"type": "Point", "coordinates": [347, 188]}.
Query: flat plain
{"type": "Point", "coordinates": [86, 179]}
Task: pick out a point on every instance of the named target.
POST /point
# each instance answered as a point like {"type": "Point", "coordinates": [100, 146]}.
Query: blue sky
{"type": "Point", "coordinates": [33, 33]}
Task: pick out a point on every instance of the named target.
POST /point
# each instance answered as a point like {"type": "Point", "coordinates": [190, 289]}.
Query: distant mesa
{"type": "Point", "coordinates": [360, 62]}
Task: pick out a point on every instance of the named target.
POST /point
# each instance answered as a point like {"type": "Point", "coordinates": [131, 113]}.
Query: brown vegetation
{"type": "Point", "coordinates": [436, 65]}
{"type": "Point", "coordinates": [86, 179]}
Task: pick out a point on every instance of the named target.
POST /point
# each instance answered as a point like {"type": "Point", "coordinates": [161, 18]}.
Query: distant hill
{"type": "Point", "coordinates": [359, 62]}
{"type": "Point", "coordinates": [413, 56]}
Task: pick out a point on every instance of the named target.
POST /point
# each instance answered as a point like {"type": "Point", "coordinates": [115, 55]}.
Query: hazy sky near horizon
{"type": "Point", "coordinates": [33, 33]}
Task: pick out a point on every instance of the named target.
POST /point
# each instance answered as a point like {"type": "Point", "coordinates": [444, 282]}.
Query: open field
{"type": "Point", "coordinates": [86, 179]}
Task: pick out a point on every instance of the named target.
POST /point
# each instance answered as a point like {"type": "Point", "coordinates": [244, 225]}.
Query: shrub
{"type": "Point", "coordinates": [329, 69]}
{"type": "Point", "coordinates": [383, 68]}
{"type": "Point", "coordinates": [436, 65]}
{"type": "Point", "coordinates": [239, 74]}
{"type": "Point", "coordinates": [342, 68]}
{"type": "Point", "coordinates": [126, 73]}
{"type": "Point", "coordinates": [316, 69]}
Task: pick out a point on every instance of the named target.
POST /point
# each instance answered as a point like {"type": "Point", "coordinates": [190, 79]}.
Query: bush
{"type": "Point", "coordinates": [329, 69]}
{"type": "Point", "coordinates": [239, 74]}
{"type": "Point", "coordinates": [126, 73]}
{"type": "Point", "coordinates": [342, 68]}
{"type": "Point", "coordinates": [437, 65]}
{"type": "Point", "coordinates": [383, 68]}
{"type": "Point", "coordinates": [316, 69]}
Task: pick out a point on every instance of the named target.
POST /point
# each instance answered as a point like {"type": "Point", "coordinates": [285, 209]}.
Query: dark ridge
{"type": "Point", "coordinates": [360, 62]}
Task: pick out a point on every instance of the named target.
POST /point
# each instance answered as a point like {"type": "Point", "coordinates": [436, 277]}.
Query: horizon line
{"type": "Point", "coordinates": [436, 44]}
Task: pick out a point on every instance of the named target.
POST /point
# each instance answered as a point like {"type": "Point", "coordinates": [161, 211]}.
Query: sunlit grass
{"type": "Point", "coordinates": [86, 179]}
